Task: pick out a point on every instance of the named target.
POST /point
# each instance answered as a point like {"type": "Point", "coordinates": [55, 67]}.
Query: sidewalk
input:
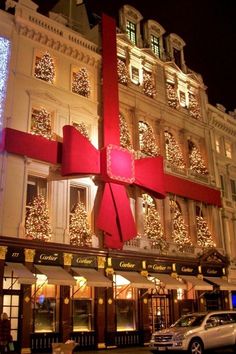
{"type": "Point", "coordinates": [130, 350]}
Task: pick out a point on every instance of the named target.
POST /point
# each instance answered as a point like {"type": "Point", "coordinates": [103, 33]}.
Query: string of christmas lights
{"type": "Point", "coordinates": [45, 68]}
{"type": "Point", "coordinates": [173, 152]}
{"type": "Point", "coordinates": [80, 82]}
{"type": "Point", "coordinates": [172, 95]}
{"type": "Point", "coordinates": [194, 107]}
{"type": "Point", "coordinates": [82, 128]}
{"type": "Point", "coordinates": [179, 234]}
{"type": "Point", "coordinates": [125, 137]}
{"type": "Point", "coordinates": [147, 141]}
{"type": "Point", "coordinates": [204, 236]}
{"type": "Point", "coordinates": [79, 229]}
{"type": "Point", "coordinates": [196, 161]}
{"type": "Point", "coordinates": [123, 75]}
{"type": "Point", "coordinates": [41, 123]}
{"type": "Point", "coordinates": [148, 85]}
{"type": "Point", "coordinates": [4, 61]}
{"type": "Point", "coordinates": [37, 225]}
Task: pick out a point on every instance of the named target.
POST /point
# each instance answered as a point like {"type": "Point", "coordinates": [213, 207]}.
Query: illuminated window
{"type": "Point", "coordinates": [233, 189]}
{"type": "Point", "coordinates": [228, 150]}
{"type": "Point", "coordinates": [77, 194]}
{"type": "Point", "coordinates": [131, 31]}
{"type": "Point", "coordinates": [147, 141]}
{"type": "Point", "coordinates": [125, 296]}
{"type": "Point", "coordinates": [135, 75]}
{"type": "Point", "coordinates": [217, 143]}
{"type": "Point", "coordinates": [155, 45]}
{"type": "Point", "coordinates": [45, 68]}
{"type": "Point", "coordinates": [35, 186]}
{"type": "Point", "coordinates": [82, 306]}
{"type": "Point", "coordinates": [45, 306]}
{"type": "Point", "coordinates": [81, 82]}
{"type": "Point", "coordinates": [41, 123]}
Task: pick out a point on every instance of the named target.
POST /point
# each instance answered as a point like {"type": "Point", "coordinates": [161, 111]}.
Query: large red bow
{"type": "Point", "coordinates": [116, 167]}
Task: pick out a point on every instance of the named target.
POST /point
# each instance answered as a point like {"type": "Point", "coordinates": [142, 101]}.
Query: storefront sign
{"type": "Point", "coordinates": [126, 264]}
{"type": "Point", "coordinates": [51, 258]}
{"type": "Point", "coordinates": [15, 255]}
{"type": "Point", "coordinates": [159, 267]}
{"type": "Point", "coordinates": [187, 269]}
{"type": "Point", "coordinates": [81, 261]}
{"type": "Point", "coordinates": [212, 271]}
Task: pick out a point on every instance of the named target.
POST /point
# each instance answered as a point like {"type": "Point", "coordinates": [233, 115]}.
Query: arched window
{"type": "Point", "coordinates": [204, 236]}
{"type": "Point", "coordinates": [195, 159]}
{"type": "Point", "coordinates": [180, 234]}
{"type": "Point", "coordinates": [147, 141]}
{"type": "Point", "coordinates": [173, 152]}
{"type": "Point", "coordinates": [125, 137]}
{"type": "Point", "coordinates": [153, 228]}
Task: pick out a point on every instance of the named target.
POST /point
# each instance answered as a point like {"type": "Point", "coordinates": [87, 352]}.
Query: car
{"type": "Point", "coordinates": [196, 332]}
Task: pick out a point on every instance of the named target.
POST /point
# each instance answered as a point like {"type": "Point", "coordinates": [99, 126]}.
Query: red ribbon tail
{"type": "Point", "coordinates": [115, 217]}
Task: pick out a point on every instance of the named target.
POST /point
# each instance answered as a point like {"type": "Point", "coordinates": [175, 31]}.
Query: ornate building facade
{"type": "Point", "coordinates": [110, 203]}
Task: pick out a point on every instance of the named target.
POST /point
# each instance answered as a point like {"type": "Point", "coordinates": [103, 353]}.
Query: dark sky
{"type": "Point", "coordinates": [208, 28]}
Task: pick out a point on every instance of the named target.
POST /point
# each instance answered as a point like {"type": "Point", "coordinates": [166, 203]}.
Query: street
{"type": "Point", "coordinates": [141, 350]}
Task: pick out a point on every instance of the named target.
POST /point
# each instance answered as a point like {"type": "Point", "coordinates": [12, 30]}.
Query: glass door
{"type": "Point", "coordinates": [159, 312]}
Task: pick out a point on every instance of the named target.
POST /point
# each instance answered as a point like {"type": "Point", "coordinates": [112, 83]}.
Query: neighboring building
{"type": "Point", "coordinates": [223, 140]}
{"type": "Point", "coordinates": [89, 116]}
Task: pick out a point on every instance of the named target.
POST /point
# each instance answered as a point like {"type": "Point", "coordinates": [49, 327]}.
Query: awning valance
{"type": "Point", "coordinates": [19, 271]}
{"type": "Point", "coordinates": [197, 283]}
{"type": "Point", "coordinates": [93, 277]}
{"type": "Point", "coordinates": [170, 282]}
{"type": "Point", "coordinates": [56, 275]}
{"type": "Point", "coordinates": [222, 283]}
{"type": "Point", "coordinates": [136, 279]}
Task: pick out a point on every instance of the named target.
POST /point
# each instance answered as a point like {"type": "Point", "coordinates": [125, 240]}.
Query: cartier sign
{"type": "Point", "coordinates": [187, 269]}
{"type": "Point", "coordinates": [126, 264]}
{"type": "Point", "coordinates": [81, 261]}
{"type": "Point", "coordinates": [159, 267]}
{"type": "Point", "coordinates": [48, 258]}
{"type": "Point", "coordinates": [212, 271]}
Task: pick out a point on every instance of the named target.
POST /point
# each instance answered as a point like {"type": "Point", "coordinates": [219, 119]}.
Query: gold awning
{"type": "Point", "coordinates": [170, 282]}
{"type": "Point", "coordinates": [136, 279]}
{"type": "Point", "coordinates": [93, 277]}
{"type": "Point", "coordinates": [197, 283]}
{"type": "Point", "coordinates": [19, 271]}
{"type": "Point", "coordinates": [222, 283]}
{"type": "Point", "coordinates": [56, 275]}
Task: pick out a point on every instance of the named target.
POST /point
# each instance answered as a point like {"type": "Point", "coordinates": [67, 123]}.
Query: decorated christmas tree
{"type": "Point", "coordinates": [153, 228]}
{"type": "Point", "coordinates": [41, 123]}
{"type": "Point", "coordinates": [148, 85]}
{"type": "Point", "coordinates": [179, 234]}
{"type": "Point", "coordinates": [125, 138]}
{"type": "Point", "coordinates": [172, 95]}
{"type": "Point", "coordinates": [147, 142]}
{"type": "Point", "coordinates": [173, 152]}
{"type": "Point", "coordinates": [37, 226]}
{"type": "Point", "coordinates": [45, 68]}
{"type": "Point", "coordinates": [81, 127]}
{"type": "Point", "coordinates": [80, 233]}
{"type": "Point", "coordinates": [122, 72]}
{"type": "Point", "coordinates": [194, 107]}
{"type": "Point", "coordinates": [80, 83]}
{"type": "Point", "coordinates": [204, 237]}
{"type": "Point", "coordinates": [196, 161]}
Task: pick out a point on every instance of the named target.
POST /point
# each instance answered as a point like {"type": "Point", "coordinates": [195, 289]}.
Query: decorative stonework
{"type": "Point", "coordinates": [3, 251]}
{"type": "Point", "coordinates": [101, 262]}
{"type": "Point", "coordinates": [67, 259]}
{"type": "Point", "coordinates": [29, 255]}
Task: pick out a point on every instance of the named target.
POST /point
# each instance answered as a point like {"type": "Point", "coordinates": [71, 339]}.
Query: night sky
{"type": "Point", "coordinates": [208, 28]}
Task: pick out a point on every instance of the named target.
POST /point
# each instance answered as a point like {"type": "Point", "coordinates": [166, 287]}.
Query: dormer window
{"type": "Point", "coordinates": [155, 45]}
{"type": "Point", "coordinates": [131, 31]}
{"type": "Point", "coordinates": [153, 37]}
{"type": "Point", "coordinates": [177, 57]}
{"type": "Point", "coordinates": [174, 47]}
{"type": "Point", "coordinates": [129, 23]}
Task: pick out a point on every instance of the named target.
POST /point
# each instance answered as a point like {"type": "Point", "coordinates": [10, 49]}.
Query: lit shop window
{"type": "Point", "coordinates": [45, 306]}
{"type": "Point", "coordinates": [125, 297]}
{"type": "Point", "coordinates": [131, 31]}
{"type": "Point", "coordinates": [82, 306]}
{"type": "Point", "coordinates": [155, 45]}
{"type": "Point", "coordinates": [11, 307]}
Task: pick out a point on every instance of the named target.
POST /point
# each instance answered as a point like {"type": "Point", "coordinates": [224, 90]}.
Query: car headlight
{"type": "Point", "coordinates": [180, 336]}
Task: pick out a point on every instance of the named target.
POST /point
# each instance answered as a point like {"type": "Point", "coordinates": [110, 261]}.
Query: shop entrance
{"type": "Point", "coordinates": [159, 312]}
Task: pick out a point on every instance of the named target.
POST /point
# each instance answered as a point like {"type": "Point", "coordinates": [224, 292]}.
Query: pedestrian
{"type": "Point", "coordinates": [5, 333]}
